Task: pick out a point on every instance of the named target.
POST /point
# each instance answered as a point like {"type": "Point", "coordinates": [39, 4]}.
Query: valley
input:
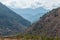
{"type": "Point", "coordinates": [15, 27]}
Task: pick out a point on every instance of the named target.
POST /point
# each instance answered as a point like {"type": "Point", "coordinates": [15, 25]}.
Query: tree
{"type": "Point", "coordinates": [55, 14]}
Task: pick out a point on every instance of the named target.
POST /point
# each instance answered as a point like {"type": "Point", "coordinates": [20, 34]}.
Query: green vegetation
{"type": "Point", "coordinates": [31, 37]}
{"type": "Point", "coordinates": [36, 37]}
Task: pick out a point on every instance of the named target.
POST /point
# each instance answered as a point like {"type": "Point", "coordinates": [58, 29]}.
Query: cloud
{"type": "Point", "coordinates": [49, 4]}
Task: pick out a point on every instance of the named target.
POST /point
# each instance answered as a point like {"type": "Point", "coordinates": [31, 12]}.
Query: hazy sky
{"type": "Point", "coordinates": [32, 7]}
{"type": "Point", "coordinates": [49, 4]}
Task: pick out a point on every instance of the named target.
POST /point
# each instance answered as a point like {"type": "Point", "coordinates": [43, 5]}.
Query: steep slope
{"type": "Point", "coordinates": [48, 25]}
{"type": "Point", "coordinates": [10, 22]}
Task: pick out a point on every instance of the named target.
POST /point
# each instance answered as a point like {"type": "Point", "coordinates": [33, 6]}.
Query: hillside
{"type": "Point", "coordinates": [48, 25]}
{"type": "Point", "coordinates": [10, 22]}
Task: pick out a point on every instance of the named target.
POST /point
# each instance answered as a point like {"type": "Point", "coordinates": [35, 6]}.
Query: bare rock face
{"type": "Point", "coordinates": [48, 25]}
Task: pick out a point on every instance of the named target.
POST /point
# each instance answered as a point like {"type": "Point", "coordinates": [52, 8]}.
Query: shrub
{"type": "Point", "coordinates": [55, 15]}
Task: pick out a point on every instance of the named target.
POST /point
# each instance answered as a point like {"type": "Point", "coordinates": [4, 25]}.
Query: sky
{"type": "Point", "coordinates": [31, 7]}
{"type": "Point", "coordinates": [48, 4]}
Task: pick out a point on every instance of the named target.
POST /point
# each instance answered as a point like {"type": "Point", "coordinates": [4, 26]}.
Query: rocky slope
{"type": "Point", "coordinates": [48, 25]}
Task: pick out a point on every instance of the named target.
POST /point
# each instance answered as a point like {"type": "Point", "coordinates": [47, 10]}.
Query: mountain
{"type": "Point", "coordinates": [35, 13]}
{"type": "Point", "coordinates": [48, 25]}
{"type": "Point", "coordinates": [10, 22]}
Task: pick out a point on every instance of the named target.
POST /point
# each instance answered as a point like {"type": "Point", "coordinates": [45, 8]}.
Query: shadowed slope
{"type": "Point", "coordinates": [10, 22]}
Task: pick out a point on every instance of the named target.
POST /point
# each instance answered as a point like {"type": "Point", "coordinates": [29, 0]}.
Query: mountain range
{"type": "Point", "coordinates": [28, 13]}
{"type": "Point", "coordinates": [12, 23]}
